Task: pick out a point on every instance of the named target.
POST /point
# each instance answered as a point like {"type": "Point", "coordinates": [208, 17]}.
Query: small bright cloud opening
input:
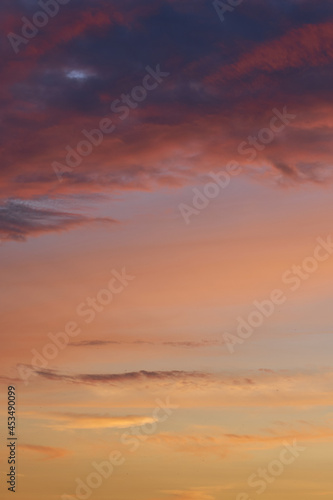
{"type": "Point", "coordinates": [78, 74]}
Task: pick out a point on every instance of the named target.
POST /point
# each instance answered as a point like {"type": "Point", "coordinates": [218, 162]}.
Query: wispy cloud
{"type": "Point", "coordinates": [222, 444]}
{"type": "Point", "coordinates": [180, 343]}
{"type": "Point", "coordinates": [74, 420]}
{"type": "Point", "coordinates": [119, 378]}
{"type": "Point", "coordinates": [261, 387]}
{"type": "Point", "coordinates": [86, 421]}
{"type": "Point", "coordinates": [19, 220]}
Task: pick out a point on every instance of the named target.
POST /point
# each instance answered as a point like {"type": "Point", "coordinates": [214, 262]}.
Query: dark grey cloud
{"type": "Point", "coordinates": [199, 379]}
{"type": "Point", "coordinates": [92, 343]}
{"type": "Point", "coordinates": [285, 169]}
{"type": "Point", "coordinates": [19, 220]}
{"type": "Point", "coordinates": [179, 343]}
{"type": "Point", "coordinates": [119, 378]}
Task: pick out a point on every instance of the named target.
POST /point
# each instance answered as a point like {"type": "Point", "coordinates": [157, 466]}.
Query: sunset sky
{"type": "Point", "coordinates": [149, 296]}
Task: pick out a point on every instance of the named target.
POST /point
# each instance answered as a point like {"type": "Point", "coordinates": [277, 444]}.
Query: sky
{"type": "Point", "coordinates": [166, 248]}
